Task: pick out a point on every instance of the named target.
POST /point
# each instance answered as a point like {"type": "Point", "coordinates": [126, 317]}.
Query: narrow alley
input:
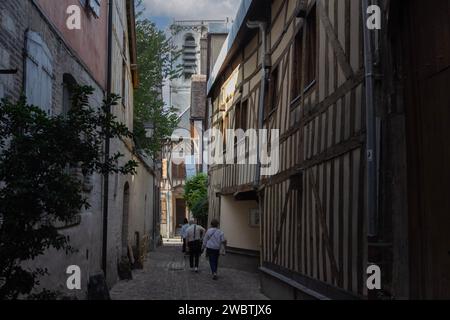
{"type": "Point", "coordinates": [166, 276]}
{"type": "Point", "coordinates": [307, 139]}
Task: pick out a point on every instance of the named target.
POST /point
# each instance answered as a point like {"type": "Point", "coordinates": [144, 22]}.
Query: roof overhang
{"type": "Point", "coordinates": [248, 195]}
{"type": "Point", "coordinates": [131, 17]}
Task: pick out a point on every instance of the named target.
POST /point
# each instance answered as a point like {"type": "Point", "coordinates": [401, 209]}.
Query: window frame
{"type": "Point", "coordinates": [305, 57]}
{"type": "Point", "coordinates": [271, 104]}
{"type": "Point", "coordinates": [94, 6]}
{"type": "Point", "coordinates": [39, 73]}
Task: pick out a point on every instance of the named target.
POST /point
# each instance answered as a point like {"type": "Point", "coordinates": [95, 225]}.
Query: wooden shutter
{"type": "Point", "coordinates": [163, 210]}
{"type": "Point", "coordinates": [96, 7]}
{"type": "Point", "coordinates": [39, 73]}
{"type": "Point", "coordinates": [164, 168]}
{"type": "Point", "coordinates": [244, 115]}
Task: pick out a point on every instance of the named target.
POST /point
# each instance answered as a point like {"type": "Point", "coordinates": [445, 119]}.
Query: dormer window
{"type": "Point", "coordinates": [189, 57]}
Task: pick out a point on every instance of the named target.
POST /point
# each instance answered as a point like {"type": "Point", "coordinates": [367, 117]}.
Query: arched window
{"type": "Point", "coordinates": [125, 217]}
{"type": "Point", "coordinates": [189, 56]}
{"type": "Point", "coordinates": [69, 83]}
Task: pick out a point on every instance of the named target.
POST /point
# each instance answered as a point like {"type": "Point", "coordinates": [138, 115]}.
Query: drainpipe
{"type": "Point", "coordinates": [372, 194]}
{"type": "Point", "coordinates": [262, 26]}
{"type": "Point", "coordinates": [107, 143]}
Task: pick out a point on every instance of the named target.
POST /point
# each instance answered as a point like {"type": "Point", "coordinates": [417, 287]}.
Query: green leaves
{"type": "Point", "coordinates": [44, 163]}
{"type": "Point", "coordinates": [196, 195]}
{"type": "Point", "coordinates": [156, 64]}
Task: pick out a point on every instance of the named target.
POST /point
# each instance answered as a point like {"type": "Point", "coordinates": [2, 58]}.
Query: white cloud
{"type": "Point", "coordinates": [192, 9]}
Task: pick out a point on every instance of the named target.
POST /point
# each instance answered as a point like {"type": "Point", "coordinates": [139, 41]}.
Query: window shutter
{"type": "Point", "coordinates": [96, 7]}
{"type": "Point", "coordinates": [39, 73]}
{"type": "Point", "coordinates": [164, 168]}
{"type": "Point", "coordinates": [93, 5]}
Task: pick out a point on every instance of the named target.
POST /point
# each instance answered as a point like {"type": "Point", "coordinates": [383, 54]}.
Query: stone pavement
{"type": "Point", "coordinates": [166, 276]}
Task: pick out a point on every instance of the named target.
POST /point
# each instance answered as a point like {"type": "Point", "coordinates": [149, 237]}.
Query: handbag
{"type": "Point", "coordinates": [223, 250]}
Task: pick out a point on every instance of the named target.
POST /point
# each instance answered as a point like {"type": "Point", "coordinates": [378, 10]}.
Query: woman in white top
{"type": "Point", "coordinates": [184, 228]}
{"type": "Point", "coordinates": [213, 241]}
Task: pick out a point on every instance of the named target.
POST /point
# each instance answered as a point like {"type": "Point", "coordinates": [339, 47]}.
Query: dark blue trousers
{"type": "Point", "coordinates": [213, 259]}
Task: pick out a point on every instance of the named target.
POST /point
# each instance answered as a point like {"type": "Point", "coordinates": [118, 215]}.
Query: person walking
{"type": "Point", "coordinates": [194, 236]}
{"type": "Point", "coordinates": [214, 242]}
{"type": "Point", "coordinates": [184, 228]}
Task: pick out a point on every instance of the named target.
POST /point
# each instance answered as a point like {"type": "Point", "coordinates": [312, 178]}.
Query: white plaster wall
{"type": "Point", "coordinates": [141, 210]}
{"type": "Point", "coordinates": [235, 223]}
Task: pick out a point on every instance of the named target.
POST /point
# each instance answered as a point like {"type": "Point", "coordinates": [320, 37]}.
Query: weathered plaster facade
{"type": "Point", "coordinates": [82, 57]}
{"type": "Point", "coordinates": [17, 17]}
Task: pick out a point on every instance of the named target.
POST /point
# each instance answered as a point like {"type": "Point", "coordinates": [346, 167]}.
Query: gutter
{"type": "Point", "coordinates": [262, 97]}
{"type": "Point", "coordinates": [262, 94]}
{"type": "Point", "coordinates": [107, 143]}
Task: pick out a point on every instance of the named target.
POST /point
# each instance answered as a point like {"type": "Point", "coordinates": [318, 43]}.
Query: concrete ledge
{"type": "Point", "coordinates": [280, 283]}
{"type": "Point", "coordinates": [294, 285]}
{"type": "Point", "coordinates": [240, 261]}
{"type": "Point", "coordinates": [245, 252]}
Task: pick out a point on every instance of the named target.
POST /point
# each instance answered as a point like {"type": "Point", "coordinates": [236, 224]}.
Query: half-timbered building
{"type": "Point", "coordinates": [349, 190]}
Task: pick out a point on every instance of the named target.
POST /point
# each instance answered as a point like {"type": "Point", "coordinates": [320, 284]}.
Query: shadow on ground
{"type": "Point", "coordinates": [167, 276]}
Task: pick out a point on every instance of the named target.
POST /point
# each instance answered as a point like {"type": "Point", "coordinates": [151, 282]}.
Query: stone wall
{"type": "Point", "coordinates": [12, 26]}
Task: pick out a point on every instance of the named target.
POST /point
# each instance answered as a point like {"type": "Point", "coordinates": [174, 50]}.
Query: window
{"type": "Point", "coordinates": [237, 116]}
{"type": "Point", "coordinates": [189, 57]}
{"type": "Point", "coordinates": [272, 98]}
{"type": "Point", "coordinates": [224, 131]}
{"type": "Point", "coordinates": [297, 66]}
{"type": "Point", "coordinates": [39, 72]}
{"type": "Point", "coordinates": [69, 84]}
{"type": "Point", "coordinates": [68, 91]}
{"type": "Point", "coordinates": [244, 115]}
{"type": "Point", "coordinates": [164, 169]}
{"type": "Point", "coordinates": [311, 48]}
{"type": "Point", "coordinates": [163, 210]}
{"type": "Point", "coordinates": [93, 5]}
{"type": "Point", "coordinates": [309, 53]}
{"type": "Point", "coordinates": [178, 171]}
{"type": "Point", "coordinates": [241, 116]}
{"type": "Point", "coordinates": [124, 85]}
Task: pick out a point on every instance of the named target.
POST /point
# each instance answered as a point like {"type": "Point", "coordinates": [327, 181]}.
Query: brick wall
{"type": "Point", "coordinates": [16, 17]}
{"type": "Point", "coordinates": [12, 20]}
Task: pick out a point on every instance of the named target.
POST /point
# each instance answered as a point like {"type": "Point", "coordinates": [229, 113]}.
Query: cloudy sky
{"type": "Point", "coordinates": [162, 12]}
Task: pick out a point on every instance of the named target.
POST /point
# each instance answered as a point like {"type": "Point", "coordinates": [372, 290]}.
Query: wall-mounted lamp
{"type": "Point", "coordinates": [149, 129]}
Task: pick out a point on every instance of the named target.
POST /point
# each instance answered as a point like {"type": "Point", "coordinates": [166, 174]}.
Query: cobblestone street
{"type": "Point", "coordinates": [166, 276]}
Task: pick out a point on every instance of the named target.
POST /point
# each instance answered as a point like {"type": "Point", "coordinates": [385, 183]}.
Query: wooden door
{"type": "Point", "coordinates": [180, 214]}
{"type": "Point", "coordinates": [428, 135]}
